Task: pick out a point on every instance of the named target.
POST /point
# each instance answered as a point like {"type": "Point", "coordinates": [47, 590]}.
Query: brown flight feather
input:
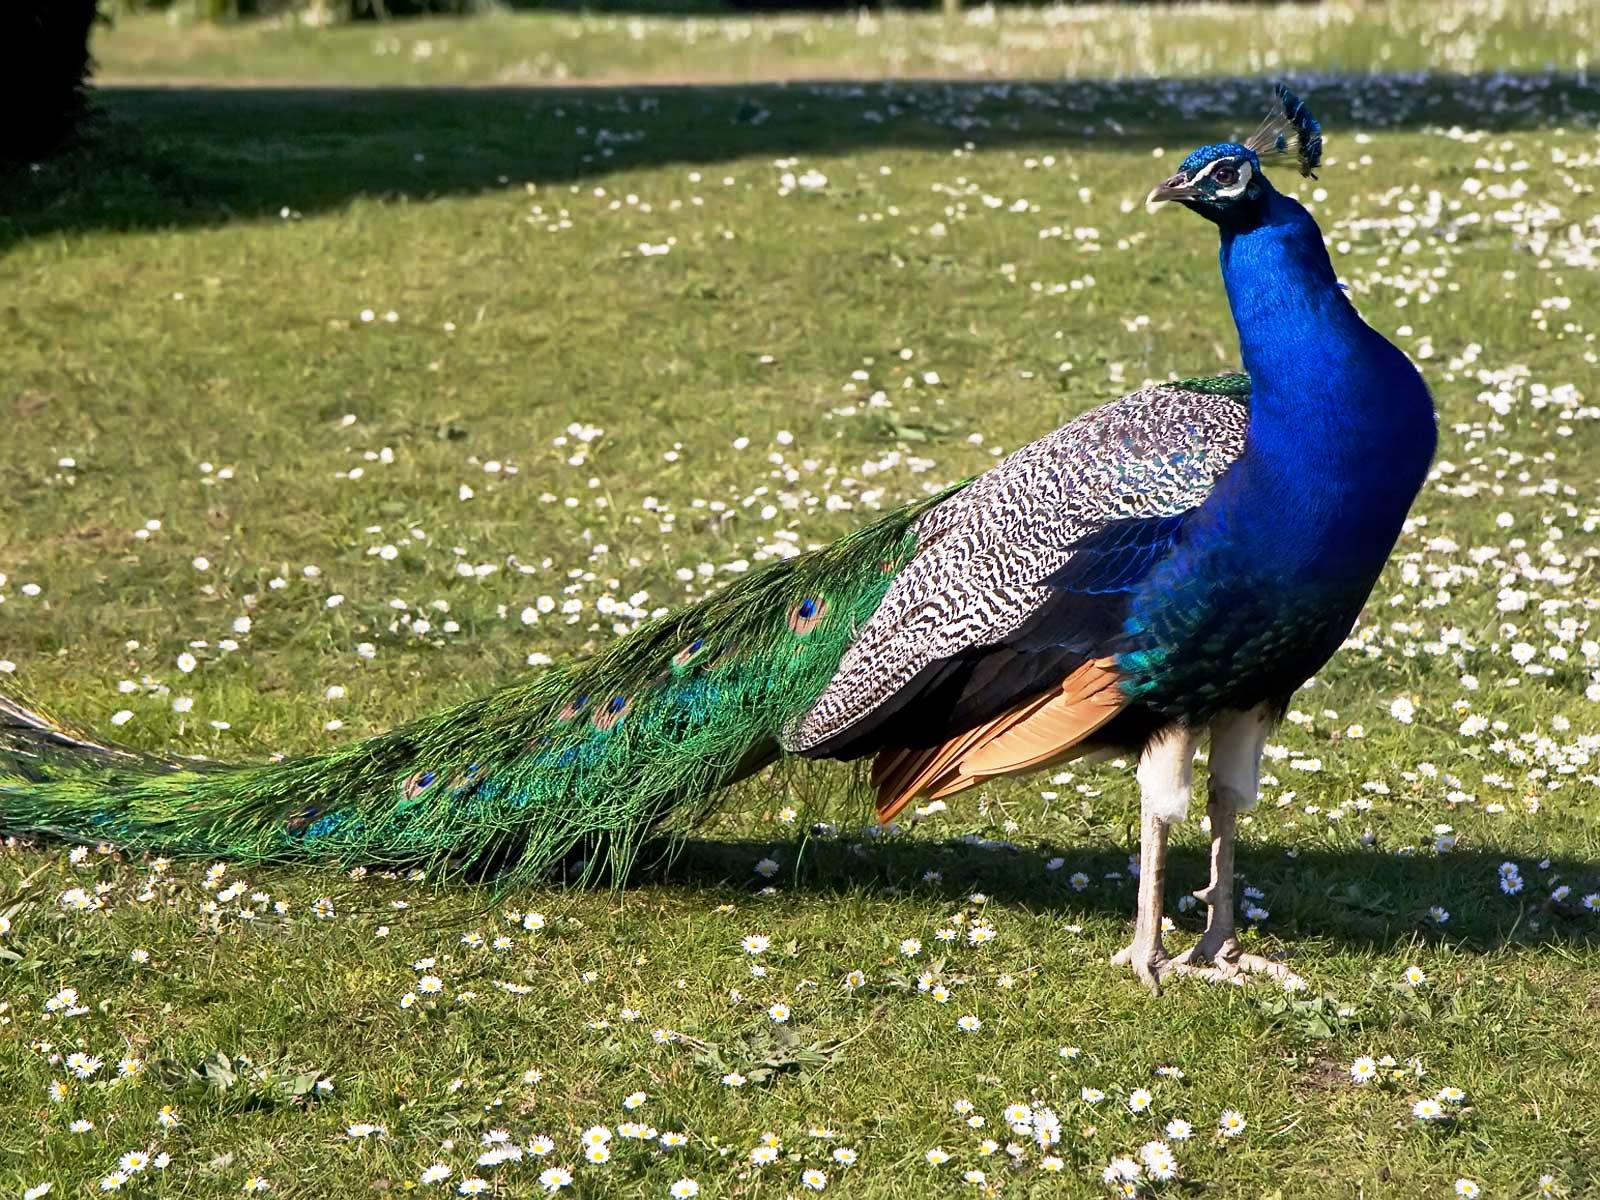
{"type": "Point", "coordinates": [1034, 732]}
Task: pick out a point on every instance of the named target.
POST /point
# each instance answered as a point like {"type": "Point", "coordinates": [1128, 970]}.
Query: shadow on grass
{"type": "Point", "coordinates": [187, 156]}
{"type": "Point", "coordinates": [1368, 900]}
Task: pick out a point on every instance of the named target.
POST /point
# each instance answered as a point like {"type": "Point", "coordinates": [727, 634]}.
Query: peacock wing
{"type": "Point", "coordinates": [1019, 581]}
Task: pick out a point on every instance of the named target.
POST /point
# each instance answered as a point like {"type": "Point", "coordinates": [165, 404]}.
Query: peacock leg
{"type": "Point", "coordinates": [1146, 954]}
{"type": "Point", "coordinates": [1165, 778]}
{"type": "Point", "coordinates": [1237, 742]}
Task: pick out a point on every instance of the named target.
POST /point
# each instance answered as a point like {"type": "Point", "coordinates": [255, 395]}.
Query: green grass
{"type": "Point", "coordinates": [987, 42]}
{"type": "Point", "coordinates": [185, 301]}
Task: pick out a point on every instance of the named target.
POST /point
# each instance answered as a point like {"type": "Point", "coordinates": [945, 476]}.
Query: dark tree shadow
{"type": "Point", "coordinates": [1369, 900]}
{"type": "Point", "coordinates": [164, 157]}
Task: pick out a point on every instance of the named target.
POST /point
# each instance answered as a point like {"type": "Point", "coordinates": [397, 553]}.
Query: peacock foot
{"type": "Point", "coordinates": [1227, 963]}
{"type": "Point", "coordinates": [1149, 961]}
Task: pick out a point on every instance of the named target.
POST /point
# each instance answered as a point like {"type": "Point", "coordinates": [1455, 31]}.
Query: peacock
{"type": "Point", "coordinates": [1171, 565]}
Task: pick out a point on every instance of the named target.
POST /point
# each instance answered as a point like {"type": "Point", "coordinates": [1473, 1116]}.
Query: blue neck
{"type": "Point", "coordinates": [1299, 336]}
{"type": "Point", "coordinates": [1341, 425]}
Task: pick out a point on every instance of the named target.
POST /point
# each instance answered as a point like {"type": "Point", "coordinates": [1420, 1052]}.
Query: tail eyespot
{"type": "Point", "coordinates": [466, 778]}
{"type": "Point", "coordinates": [573, 707]}
{"type": "Point", "coordinates": [301, 820]}
{"type": "Point", "coordinates": [807, 615]}
{"type": "Point", "coordinates": [418, 783]}
{"type": "Point", "coordinates": [610, 715]}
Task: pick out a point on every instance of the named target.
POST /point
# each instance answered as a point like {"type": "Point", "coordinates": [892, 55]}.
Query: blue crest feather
{"type": "Point", "coordinates": [1290, 118]}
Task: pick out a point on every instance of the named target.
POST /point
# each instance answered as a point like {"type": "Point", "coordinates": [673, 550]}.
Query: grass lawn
{"type": "Point", "coordinates": [328, 406]}
{"type": "Point", "coordinates": [1055, 42]}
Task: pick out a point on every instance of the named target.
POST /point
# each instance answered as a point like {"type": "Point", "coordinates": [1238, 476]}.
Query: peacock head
{"type": "Point", "coordinates": [1224, 183]}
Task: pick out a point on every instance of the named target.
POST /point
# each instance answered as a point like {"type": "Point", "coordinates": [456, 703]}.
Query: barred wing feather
{"type": "Point", "coordinates": [999, 605]}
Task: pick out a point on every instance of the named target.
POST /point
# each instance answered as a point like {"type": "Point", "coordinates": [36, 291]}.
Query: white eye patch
{"type": "Point", "coordinates": [1234, 189]}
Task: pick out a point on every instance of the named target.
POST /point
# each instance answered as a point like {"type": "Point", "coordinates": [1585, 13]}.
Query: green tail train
{"type": "Point", "coordinates": [589, 756]}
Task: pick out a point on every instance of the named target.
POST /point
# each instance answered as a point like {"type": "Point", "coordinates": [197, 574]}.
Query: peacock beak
{"type": "Point", "coordinates": [1176, 188]}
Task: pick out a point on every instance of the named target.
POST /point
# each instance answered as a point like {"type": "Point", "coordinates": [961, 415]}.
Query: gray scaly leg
{"type": "Point", "coordinates": [1237, 741]}
{"type": "Point", "coordinates": [1165, 779]}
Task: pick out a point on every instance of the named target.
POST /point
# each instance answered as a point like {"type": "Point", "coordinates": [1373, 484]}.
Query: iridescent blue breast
{"type": "Point", "coordinates": [1196, 645]}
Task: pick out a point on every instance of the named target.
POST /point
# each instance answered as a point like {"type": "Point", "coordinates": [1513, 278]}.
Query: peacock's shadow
{"type": "Point", "coordinates": [1364, 900]}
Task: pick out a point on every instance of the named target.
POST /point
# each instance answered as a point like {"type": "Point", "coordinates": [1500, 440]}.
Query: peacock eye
{"type": "Point", "coordinates": [1226, 175]}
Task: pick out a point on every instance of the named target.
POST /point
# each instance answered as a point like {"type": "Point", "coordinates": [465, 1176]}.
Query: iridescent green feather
{"type": "Point", "coordinates": [1230, 384]}
{"type": "Point", "coordinates": [589, 757]}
